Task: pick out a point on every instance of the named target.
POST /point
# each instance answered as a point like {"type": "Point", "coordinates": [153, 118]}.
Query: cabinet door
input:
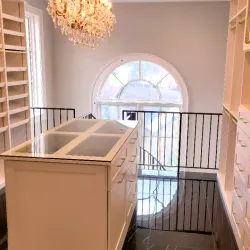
{"type": "Point", "coordinates": [116, 212]}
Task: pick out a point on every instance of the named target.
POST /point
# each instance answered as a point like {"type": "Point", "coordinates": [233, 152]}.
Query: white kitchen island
{"type": "Point", "coordinates": [73, 187]}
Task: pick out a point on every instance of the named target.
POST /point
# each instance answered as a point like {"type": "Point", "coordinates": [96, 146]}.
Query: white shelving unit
{"type": "Point", "coordinates": [14, 91]}
{"type": "Point", "coordinates": [234, 172]}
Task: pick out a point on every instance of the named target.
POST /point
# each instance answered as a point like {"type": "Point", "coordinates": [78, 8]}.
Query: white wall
{"type": "Point", "coordinates": [48, 44]}
{"type": "Point", "coordinates": [190, 36]}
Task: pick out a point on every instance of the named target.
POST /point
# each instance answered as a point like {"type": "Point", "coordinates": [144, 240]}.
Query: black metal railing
{"type": "Point", "coordinates": [148, 161]}
{"type": "Point", "coordinates": [88, 116]}
{"type": "Point", "coordinates": [179, 139]}
{"type": "Point", "coordinates": [43, 119]}
{"type": "Point", "coordinates": [176, 204]}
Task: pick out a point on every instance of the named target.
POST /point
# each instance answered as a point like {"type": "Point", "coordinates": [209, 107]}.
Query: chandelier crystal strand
{"type": "Point", "coordinates": [86, 22]}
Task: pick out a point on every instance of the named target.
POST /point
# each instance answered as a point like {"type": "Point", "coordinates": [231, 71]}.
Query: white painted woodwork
{"type": "Point", "coordinates": [14, 97]}
{"type": "Point", "coordinates": [234, 171]}
{"type": "Point", "coordinates": [60, 200]}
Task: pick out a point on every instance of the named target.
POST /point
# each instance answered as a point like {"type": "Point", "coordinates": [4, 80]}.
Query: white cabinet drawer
{"type": "Point", "coordinates": [131, 175]}
{"type": "Point", "coordinates": [243, 142]}
{"type": "Point", "coordinates": [240, 187]}
{"type": "Point", "coordinates": [242, 164]}
{"type": "Point", "coordinates": [131, 199]}
{"type": "Point", "coordinates": [244, 120]}
{"type": "Point", "coordinates": [246, 237]}
{"type": "Point", "coordinates": [116, 213]}
{"type": "Point", "coordinates": [238, 216]}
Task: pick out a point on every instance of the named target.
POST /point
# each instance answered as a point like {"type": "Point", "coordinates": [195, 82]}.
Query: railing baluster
{"type": "Point", "coordinates": [198, 212]}
{"type": "Point", "coordinates": [191, 212]}
{"type": "Point", "coordinates": [205, 217]}
{"type": "Point", "coordinates": [194, 140]}
{"type": "Point", "coordinates": [34, 123]}
{"type": "Point", "coordinates": [184, 210]}
{"type": "Point", "coordinates": [187, 142]}
{"type": "Point", "coordinates": [217, 139]}
{"type": "Point", "coordinates": [172, 143]}
{"type": "Point", "coordinates": [54, 121]}
{"type": "Point", "coordinates": [60, 116]}
{"type": "Point", "coordinates": [41, 126]}
{"type": "Point", "coordinates": [47, 117]}
{"type": "Point", "coordinates": [202, 131]}
{"type": "Point", "coordinates": [165, 139]}
{"type": "Point", "coordinates": [209, 141]}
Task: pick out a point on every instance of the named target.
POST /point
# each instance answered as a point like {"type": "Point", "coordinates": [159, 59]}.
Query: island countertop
{"type": "Point", "coordinates": [76, 140]}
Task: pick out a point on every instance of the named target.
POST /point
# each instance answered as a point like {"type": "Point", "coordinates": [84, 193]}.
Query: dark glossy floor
{"type": "Point", "coordinates": [172, 213]}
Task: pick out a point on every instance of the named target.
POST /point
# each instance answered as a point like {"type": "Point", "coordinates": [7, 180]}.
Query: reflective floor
{"type": "Point", "coordinates": [172, 213]}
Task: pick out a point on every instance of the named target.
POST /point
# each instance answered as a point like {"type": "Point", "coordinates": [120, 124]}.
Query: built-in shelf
{"type": "Point", "coordinates": [14, 78]}
{"type": "Point", "coordinates": [3, 129]}
{"type": "Point", "coordinates": [16, 83]}
{"type": "Point", "coordinates": [14, 47]}
{"type": "Point", "coordinates": [13, 33]}
{"type": "Point", "coordinates": [13, 18]}
{"type": "Point", "coordinates": [239, 13]}
{"type": "Point", "coordinates": [18, 110]}
{"type": "Point", "coordinates": [16, 69]}
{"type": "Point", "coordinates": [20, 123]}
{"type": "Point", "coordinates": [16, 97]}
{"type": "Point", "coordinates": [3, 114]}
{"type": "Point", "coordinates": [2, 99]}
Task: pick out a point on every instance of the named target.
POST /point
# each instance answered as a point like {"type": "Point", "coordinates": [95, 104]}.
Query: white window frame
{"type": "Point", "coordinates": [96, 103]}
{"type": "Point", "coordinates": [36, 16]}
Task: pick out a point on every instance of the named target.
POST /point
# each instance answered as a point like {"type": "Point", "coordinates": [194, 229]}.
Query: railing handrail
{"type": "Point", "coordinates": [169, 112]}
{"type": "Point", "coordinates": [53, 108]}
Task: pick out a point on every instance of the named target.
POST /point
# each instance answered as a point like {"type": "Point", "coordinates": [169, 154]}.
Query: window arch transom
{"type": "Point", "coordinates": [140, 81]}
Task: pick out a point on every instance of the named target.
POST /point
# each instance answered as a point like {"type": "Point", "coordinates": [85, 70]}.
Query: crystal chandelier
{"type": "Point", "coordinates": [86, 22]}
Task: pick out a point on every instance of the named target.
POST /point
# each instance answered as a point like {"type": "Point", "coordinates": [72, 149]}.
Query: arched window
{"type": "Point", "coordinates": [147, 83]}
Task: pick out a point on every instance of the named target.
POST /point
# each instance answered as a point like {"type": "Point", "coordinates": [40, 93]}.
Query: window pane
{"type": "Point", "coordinates": [152, 72]}
{"type": "Point", "coordinates": [127, 72]}
{"type": "Point", "coordinates": [109, 112]}
{"type": "Point", "coordinates": [111, 88]}
{"type": "Point", "coordinates": [170, 90]}
{"type": "Point", "coordinates": [139, 91]}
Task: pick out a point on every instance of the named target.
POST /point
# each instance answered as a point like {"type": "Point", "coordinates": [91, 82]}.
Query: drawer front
{"type": "Point", "coordinates": [116, 213]}
{"type": "Point", "coordinates": [132, 150]}
{"type": "Point", "coordinates": [242, 142]}
{"type": "Point", "coordinates": [122, 171]}
{"type": "Point", "coordinates": [242, 164]}
{"type": "Point", "coordinates": [246, 237]}
{"type": "Point", "coordinates": [247, 209]}
{"type": "Point", "coordinates": [131, 175]}
{"type": "Point", "coordinates": [131, 199]}
{"type": "Point", "coordinates": [244, 120]}
{"type": "Point", "coordinates": [239, 187]}
{"type": "Point", "coordinates": [237, 215]}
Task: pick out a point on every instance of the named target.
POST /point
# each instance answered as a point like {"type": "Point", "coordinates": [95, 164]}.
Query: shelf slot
{"type": "Point", "coordinates": [16, 83]}
{"type": "Point", "coordinates": [15, 47]}
{"type": "Point", "coordinates": [17, 124]}
{"type": "Point", "coordinates": [2, 99]}
{"type": "Point", "coordinates": [16, 69]}
{"type": "Point", "coordinates": [2, 84]}
{"type": "Point", "coordinates": [16, 97]}
{"type": "Point", "coordinates": [3, 129]}
{"type": "Point", "coordinates": [13, 18]}
{"type": "Point", "coordinates": [13, 33]}
{"type": "Point", "coordinates": [3, 114]}
{"type": "Point", "coordinates": [18, 110]}
{"type": "Point", "coordinates": [1, 69]}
